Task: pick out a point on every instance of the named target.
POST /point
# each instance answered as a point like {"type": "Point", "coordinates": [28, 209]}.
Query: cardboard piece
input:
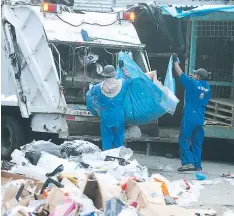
{"type": "Point", "coordinates": [6, 176]}
{"type": "Point", "coordinates": [25, 201]}
{"type": "Point", "coordinates": [55, 196]}
{"type": "Point", "coordinates": [10, 193]}
{"type": "Point", "coordinates": [69, 187]}
{"type": "Point", "coordinates": [9, 205]}
{"type": "Point", "coordinates": [145, 193]}
{"type": "Point", "coordinates": [93, 191]}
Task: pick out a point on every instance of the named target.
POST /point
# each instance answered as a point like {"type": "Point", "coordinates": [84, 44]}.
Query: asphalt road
{"type": "Point", "coordinates": [218, 192]}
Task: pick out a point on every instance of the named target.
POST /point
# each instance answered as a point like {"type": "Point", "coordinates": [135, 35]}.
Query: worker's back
{"type": "Point", "coordinates": [197, 97]}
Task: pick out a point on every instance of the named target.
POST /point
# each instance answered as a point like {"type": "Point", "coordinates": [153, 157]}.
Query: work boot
{"type": "Point", "coordinates": [187, 167]}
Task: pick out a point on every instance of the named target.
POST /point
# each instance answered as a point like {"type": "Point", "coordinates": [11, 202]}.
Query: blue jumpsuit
{"type": "Point", "coordinates": [197, 96]}
{"type": "Point", "coordinates": [112, 116]}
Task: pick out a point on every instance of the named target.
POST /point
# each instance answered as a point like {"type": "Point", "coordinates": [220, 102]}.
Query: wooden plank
{"type": "Point", "coordinates": [219, 116]}
{"type": "Point", "coordinates": [227, 102]}
{"type": "Point", "coordinates": [225, 110]}
{"type": "Point", "coordinates": [214, 122]}
{"type": "Point", "coordinates": [210, 106]}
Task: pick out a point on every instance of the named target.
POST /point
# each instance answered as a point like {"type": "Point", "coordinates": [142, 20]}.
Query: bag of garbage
{"type": "Point", "coordinates": [93, 104]}
{"type": "Point", "coordinates": [38, 146]}
{"type": "Point", "coordinates": [133, 132]}
{"type": "Point", "coordinates": [121, 152]}
{"type": "Point", "coordinates": [145, 100]}
{"type": "Point", "coordinates": [77, 148]}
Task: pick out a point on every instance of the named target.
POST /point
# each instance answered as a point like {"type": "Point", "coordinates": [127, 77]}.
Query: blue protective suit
{"type": "Point", "coordinates": [112, 116]}
{"type": "Point", "coordinates": [197, 96]}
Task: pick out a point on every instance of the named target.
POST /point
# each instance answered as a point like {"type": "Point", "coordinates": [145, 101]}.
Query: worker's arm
{"type": "Point", "coordinates": [176, 65]}
{"type": "Point", "coordinates": [186, 81]}
{"type": "Point", "coordinates": [127, 75]}
{"type": "Point", "coordinates": [177, 69]}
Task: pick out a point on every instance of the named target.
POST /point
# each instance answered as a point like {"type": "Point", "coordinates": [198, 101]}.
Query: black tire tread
{"type": "Point", "coordinates": [18, 137]}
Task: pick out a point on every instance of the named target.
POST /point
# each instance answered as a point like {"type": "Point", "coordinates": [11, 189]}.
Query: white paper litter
{"type": "Point", "coordinates": [128, 212]}
{"type": "Point", "coordinates": [50, 162]}
{"type": "Point", "coordinates": [18, 157]}
{"type": "Point", "coordinates": [228, 213]}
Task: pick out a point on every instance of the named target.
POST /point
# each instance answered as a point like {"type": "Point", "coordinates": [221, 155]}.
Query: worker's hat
{"type": "Point", "coordinates": [202, 73]}
{"type": "Point", "coordinates": [109, 71]}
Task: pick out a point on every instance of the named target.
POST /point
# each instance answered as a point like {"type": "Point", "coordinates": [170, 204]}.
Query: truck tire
{"type": "Point", "coordinates": [13, 136]}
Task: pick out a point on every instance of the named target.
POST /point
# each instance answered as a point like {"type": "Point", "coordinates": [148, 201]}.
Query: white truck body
{"type": "Point", "coordinates": [30, 79]}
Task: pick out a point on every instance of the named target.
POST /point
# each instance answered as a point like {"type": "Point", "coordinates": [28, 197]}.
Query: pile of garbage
{"type": "Point", "coordinates": [78, 179]}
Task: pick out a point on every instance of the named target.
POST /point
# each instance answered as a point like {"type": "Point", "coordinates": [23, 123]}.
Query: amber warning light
{"type": "Point", "coordinates": [129, 16]}
{"type": "Point", "coordinates": [50, 8]}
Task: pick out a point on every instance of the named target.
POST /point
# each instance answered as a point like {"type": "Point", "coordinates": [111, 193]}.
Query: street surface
{"type": "Point", "coordinates": [217, 195]}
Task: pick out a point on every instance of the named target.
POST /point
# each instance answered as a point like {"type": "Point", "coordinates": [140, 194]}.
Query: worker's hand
{"type": "Point", "coordinates": [121, 64]}
{"type": "Point", "coordinates": [174, 57]}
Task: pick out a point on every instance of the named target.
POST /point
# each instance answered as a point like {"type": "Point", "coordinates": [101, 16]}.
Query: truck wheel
{"type": "Point", "coordinates": [13, 136]}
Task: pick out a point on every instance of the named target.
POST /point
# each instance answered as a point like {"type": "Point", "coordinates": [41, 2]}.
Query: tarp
{"type": "Point", "coordinates": [145, 101]}
{"type": "Point", "coordinates": [198, 11]}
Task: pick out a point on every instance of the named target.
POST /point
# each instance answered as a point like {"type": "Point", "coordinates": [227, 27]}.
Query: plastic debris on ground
{"type": "Point", "coordinates": [145, 100]}
{"type": "Point", "coordinates": [228, 175]}
{"type": "Point", "coordinates": [228, 213]}
{"type": "Point", "coordinates": [82, 180]}
{"type": "Point", "coordinates": [200, 176]}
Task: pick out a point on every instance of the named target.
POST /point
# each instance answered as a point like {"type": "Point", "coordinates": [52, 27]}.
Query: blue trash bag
{"type": "Point", "coordinates": [145, 101]}
{"type": "Point", "coordinates": [169, 100]}
{"type": "Point", "coordinates": [93, 104]}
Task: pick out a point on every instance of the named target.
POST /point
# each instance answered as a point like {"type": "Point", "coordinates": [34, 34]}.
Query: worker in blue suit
{"type": "Point", "coordinates": [111, 93]}
{"type": "Point", "coordinates": [197, 96]}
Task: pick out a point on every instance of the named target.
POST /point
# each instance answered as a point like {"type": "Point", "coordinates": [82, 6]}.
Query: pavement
{"type": "Point", "coordinates": [218, 192]}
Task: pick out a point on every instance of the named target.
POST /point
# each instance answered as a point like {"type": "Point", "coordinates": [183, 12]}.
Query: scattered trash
{"type": "Point", "coordinates": [114, 207]}
{"type": "Point", "coordinates": [228, 213]}
{"type": "Point", "coordinates": [169, 200]}
{"type": "Point", "coordinates": [122, 152]}
{"type": "Point", "coordinates": [7, 165]}
{"type": "Point", "coordinates": [187, 184]}
{"type": "Point", "coordinates": [77, 148]}
{"type": "Point", "coordinates": [76, 178]}
{"type": "Point", "coordinates": [200, 176]}
{"type": "Point", "coordinates": [33, 157]}
{"type": "Point", "coordinates": [41, 145]}
{"type": "Point", "coordinates": [228, 175]}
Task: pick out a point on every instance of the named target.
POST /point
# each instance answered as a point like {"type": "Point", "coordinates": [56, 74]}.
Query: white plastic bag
{"type": "Point", "coordinates": [121, 152]}
{"type": "Point", "coordinates": [169, 100]}
{"type": "Point", "coordinates": [133, 131]}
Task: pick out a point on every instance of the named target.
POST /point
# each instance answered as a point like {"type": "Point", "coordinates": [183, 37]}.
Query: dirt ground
{"type": "Point", "coordinates": [217, 195]}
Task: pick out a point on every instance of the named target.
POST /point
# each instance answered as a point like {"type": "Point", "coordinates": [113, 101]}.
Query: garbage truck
{"type": "Point", "coordinates": [47, 68]}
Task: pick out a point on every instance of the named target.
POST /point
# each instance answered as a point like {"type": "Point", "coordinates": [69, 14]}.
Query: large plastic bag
{"type": "Point", "coordinates": [169, 100]}
{"type": "Point", "coordinates": [145, 101]}
{"type": "Point", "coordinates": [93, 104]}
{"type": "Point", "coordinates": [76, 148]}
{"type": "Point", "coordinates": [42, 145]}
